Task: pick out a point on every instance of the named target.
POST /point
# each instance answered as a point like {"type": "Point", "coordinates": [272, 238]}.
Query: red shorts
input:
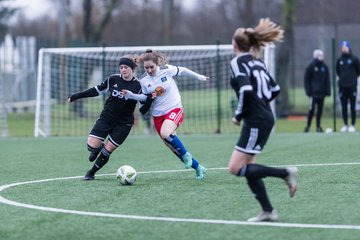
{"type": "Point", "coordinates": [176, 115]}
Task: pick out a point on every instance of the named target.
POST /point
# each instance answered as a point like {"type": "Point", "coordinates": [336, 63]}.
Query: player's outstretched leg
{"type": "Point", "coordinates": [102, 159]}
{"type": "Point", "coordinates": [289, 174]}
{"type": "Point", "coordinates": [176, 144]}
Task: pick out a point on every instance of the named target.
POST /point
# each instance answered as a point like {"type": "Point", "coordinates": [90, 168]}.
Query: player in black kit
{"type": "Point", "coordinates": [117, 117]}
{"type": "Point", "coordinates": [255, 88]}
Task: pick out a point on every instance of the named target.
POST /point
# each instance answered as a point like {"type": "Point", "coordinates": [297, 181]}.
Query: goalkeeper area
{"type": "Point", "coordinates": [208, 105]}
{"type": "Point", "coordinates": [43, 196]}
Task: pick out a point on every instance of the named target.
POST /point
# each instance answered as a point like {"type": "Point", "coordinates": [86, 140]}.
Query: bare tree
{"type": "Point", "coordinates": [87, 22]}
{"type": "Point", "coordinates": [5, 13]}
{"type": "Point", "coordinates": [285, 61]}
{"type": "Point", "coordinates": [167, 20]}
{"type": "Point", "coordinates": [92, 32]}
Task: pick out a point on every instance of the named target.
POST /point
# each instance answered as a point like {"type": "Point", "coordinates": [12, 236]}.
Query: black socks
{"type": "Point", "coordinates": [261, 171]}
{"type": "Point", "coordinates": [102, 159]}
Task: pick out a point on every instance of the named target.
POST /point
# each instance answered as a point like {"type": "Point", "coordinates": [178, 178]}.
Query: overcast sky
{"type": "Point", "coordinates": [32, 8]}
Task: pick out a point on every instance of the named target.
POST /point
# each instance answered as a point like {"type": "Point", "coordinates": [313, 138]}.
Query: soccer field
{"type": "Point", "coordinates": [43, 196]}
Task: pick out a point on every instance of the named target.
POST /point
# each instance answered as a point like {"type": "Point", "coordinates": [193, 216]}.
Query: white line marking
{"type": "Point", "coordinates": [173, 219]}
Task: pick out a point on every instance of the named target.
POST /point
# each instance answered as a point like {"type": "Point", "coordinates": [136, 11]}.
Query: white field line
{"type": "Point", "coordinates": [173, 219]}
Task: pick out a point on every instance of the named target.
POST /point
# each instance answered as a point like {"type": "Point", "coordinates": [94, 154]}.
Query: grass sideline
{"type": "Point", "coordinates": [327, 194]}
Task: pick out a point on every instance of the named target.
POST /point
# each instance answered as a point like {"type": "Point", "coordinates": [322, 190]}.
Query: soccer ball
{"type": "Point", "coordinates": [328, 130]}
{"type": "Point", "coordinates": [126, 175]}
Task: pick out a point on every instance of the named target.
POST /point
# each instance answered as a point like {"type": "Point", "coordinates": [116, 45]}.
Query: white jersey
{"type": "Point", "coordinates": [170, 99]}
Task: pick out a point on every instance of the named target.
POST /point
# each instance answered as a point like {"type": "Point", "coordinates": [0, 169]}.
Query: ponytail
{"type": "Point", "coordinates": [252, 39]}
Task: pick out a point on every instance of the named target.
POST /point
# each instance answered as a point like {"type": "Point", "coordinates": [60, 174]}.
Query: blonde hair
{"type": "Point", "coordinates": [252, 39]}
{"type": "Point", "coordinates": [156, 57]}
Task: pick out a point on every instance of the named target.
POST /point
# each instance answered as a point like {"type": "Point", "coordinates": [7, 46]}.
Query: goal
{"type": "Point", "coordinates": [208, 105]}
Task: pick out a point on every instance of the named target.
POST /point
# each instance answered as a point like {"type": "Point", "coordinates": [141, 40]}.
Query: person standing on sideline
{"type": "Point", "coordinates": [348, 70]}
{"type": "Point", "coordinates": [161, 94]}
{"type": "Point", "coordinates": [255, 88]}
{"type": "Point", "coordinates": [317, 86]}
{"type": "Point", "coordinates": [117, 116]}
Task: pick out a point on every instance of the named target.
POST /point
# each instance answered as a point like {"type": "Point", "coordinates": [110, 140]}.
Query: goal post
{"type": "Point", "coordinates": [208, 105]}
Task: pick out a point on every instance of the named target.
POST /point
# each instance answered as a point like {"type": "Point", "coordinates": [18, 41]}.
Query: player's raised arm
{"type": "Point", "coordinates": [91, 92]}
{"type": "Point", "coordinates": [183, 71]}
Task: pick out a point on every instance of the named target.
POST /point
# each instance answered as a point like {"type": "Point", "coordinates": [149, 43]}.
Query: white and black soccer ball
{"type": "Point", "coordinates": [126, 175]}
{"type": "Point", "coordinates": [328, 130]}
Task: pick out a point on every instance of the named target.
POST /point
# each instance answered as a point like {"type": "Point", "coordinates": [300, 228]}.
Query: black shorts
{"type": "Point", "coordinates": [253, 138]}
{"type": "Point", "coordinates": [117, 133]}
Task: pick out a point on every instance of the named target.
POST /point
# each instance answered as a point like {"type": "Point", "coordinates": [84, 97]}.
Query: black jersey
{"type": "Point", "coordinates": [117, 108]}
{"type": "Point", "coordinates": [254, 87]}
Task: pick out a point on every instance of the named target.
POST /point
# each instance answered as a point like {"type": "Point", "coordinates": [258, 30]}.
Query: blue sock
{"type": "Point", "coordinates": [195, 164]}
{"type": "Point", "coordinates": [175, 142]}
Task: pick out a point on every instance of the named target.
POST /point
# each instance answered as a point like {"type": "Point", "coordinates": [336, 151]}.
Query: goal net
{"type": "Point", "coordinates": [208, 105]}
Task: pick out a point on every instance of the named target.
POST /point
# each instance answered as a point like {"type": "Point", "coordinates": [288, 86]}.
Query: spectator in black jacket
{"type": "Point", "coordinates": [348, 70]}
{"type": "Point", "coordinates": [317, 86]}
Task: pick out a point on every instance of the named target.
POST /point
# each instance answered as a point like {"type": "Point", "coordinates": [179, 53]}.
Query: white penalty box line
{"type": "Point", "coordinates": [173, 219]}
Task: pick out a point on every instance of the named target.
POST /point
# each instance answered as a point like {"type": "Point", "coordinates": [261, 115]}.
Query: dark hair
{"type": "Point", "coordinates": [129, 61]}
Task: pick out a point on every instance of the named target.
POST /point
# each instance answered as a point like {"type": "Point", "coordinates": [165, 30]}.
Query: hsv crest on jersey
{"type": "Point", "coordinates": [163, 79]}
{"type": "Point", "coordinates": [159, 90]}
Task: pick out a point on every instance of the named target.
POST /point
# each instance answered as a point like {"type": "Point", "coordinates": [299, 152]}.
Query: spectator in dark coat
{"type": "Point", "coordinates": [317, 87]}
{"type": "Point", "coordinates": [348, 70]}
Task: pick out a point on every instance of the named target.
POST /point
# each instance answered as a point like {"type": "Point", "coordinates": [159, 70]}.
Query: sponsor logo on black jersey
{"type": "Point", "coordinates": [116, 93]}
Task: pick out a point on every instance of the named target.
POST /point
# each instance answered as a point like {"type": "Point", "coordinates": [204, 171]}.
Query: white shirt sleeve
{"type": "Point", "coordinates": [183, 71]}
{"type": "Point", "coordinates": [174, 70]}
{"type": "Point", "coordinates": [137, 97]}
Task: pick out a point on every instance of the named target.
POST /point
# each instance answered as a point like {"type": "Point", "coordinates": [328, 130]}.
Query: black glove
{"type": "Point", "coordinates": [74, 97]}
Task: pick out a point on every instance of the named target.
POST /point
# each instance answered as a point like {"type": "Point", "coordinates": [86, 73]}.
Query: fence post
{"type": "Point", "coordinates": [3, 112]}
{"type": "Point", "coordinates": [218, 90]}
{"type": "Point", "coordinates": [334, 80]}
{"type": "Point", "coordinates": [103, 45]}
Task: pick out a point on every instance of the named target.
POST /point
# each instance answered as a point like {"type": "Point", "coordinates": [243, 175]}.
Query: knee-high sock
{"type": "Point", "coordinates": [102, 159]}
{"type": "Point", "coordinates": [258, 189]}
{"type": "Point", "coordinates": [176, 143]}
{"type": "Point", "coordinates": [92, 149]}
{"type": "Point", "coordinates": [261, 171]}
